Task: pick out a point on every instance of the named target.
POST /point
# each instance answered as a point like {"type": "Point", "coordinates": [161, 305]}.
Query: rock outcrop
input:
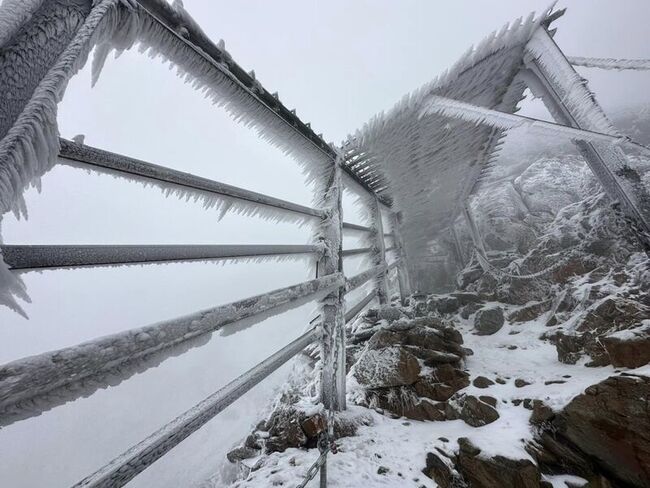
{"type": "Point", "coordinates": [610, 422]}
{"type": "Point", "coordinates": [488, 320]}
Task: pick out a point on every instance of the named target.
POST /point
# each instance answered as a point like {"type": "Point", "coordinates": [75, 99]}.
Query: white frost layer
{"type": "Point", "coordinates": [217, 84]}
{"type": "Point", "coordinates": [430, 165]}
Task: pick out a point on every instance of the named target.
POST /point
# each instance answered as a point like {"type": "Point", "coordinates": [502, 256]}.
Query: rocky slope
{"type": "Point", "coordinates": [505, 382]}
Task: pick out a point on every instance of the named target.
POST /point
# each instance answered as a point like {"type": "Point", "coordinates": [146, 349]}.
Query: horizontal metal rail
{"type": "Point", "coordinates": [361, 228]}
{"type": "Point", "coordinates": [138, 458]}
{"type": "Point", "coordinates": [610, 63]}
{"type": "Point", "coordinates": [350, 314]}
{"type": "Point", "coordinates": [99, 158]}
{"type": "Point", "coordinates": [357, 280]}
{"type": "Point", "coordinates": [32, 385]}
{"type": "Point", "coordinates": [48, 257]}
{"type": "Point", "coordinates": [354, 252]}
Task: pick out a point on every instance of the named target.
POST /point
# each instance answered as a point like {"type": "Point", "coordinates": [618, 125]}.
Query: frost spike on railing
{"type": "Point", "coordinates": [32, 385]}
{"type": "Point", "coordinates": [99, 158]}
{"type": "Point", "coordinates": [49, 256]}
{"type": "Point", "coordinates": [467, 112]}
{"type": "Point", "coordinates": [138, 458]}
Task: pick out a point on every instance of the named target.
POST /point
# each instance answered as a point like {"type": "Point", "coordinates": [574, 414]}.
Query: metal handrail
{"type": "Point", "coordinates": [127, 465]}
{"type": "Point", "coordinates": [99, 159]}
{"type": "Point", "coordinates": [25, 257]}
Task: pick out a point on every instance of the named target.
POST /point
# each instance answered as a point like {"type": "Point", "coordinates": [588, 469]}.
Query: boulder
{"type": "Point", "coordinates": [607, 318]}
{"type": "Point", "coordinates": [480, 471]}
{"type": "Point", "coordinates": [629, 348]}
{"type": "Point", "coordinates": [404, 402]}
{"type": "Point", "coordinates": [390, 366]}
{"type": "Point", "coordinates": [482, 382]}
{"type": "Point", "coordinates": [443, 305]}
{"type": "Point", "coordinates": [471, 410]}
{"type": "Point", "coordinates": [541, 413]}
{"type": "Point", "coordinates": [241, 453]}
{"type": "Point", "coordinates": [285, 429]}
{"type": "Point", "coordinates": [314, 425]}
{"type": "Point", "coordinates": [469, 309]}
{"type": "Point", "coordinates": [610, 422]}
{"type": "Point", "coordinates": [488, 320]}
{"type": "Point", "coordinates": [441, 470]}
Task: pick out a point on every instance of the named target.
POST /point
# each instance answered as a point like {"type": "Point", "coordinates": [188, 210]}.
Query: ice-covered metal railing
{"type": "Point", "coordinates": [32, 385]}
{"type": "Point", "coordinates": [610, 63]}
{"type": "Point", "coordinates": [551, 77]}
{"type": "Point", "coordinates": [185, 184]}
{"type": "Point", "coordinates": [129, 464]}
{"type": "Point", "coordinates": [39, 256]}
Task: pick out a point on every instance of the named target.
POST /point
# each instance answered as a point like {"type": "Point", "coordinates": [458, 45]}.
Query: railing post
{"type": "Point", "coordinates": [457, 245]}
{"type": "Point", "coordinates": [333, 322]}
{"type": "Point", "coordinates": [333, 341]}
{"type": "Point", "coordinates": [379, 251]}
{"type": "Point", "coordinates": [402, 269]}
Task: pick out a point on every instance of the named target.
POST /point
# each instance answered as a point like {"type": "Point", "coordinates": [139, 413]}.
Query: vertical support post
{"type": "Point", "coordinates": [379, 251]}
{"type": "Point", "coordinates": [459, 248]}
{"type": "Point", "coordinates": [473, 229]}
{"type": "Point", "coordinates": [333, 340]}
{"type": "Point", "coordinates": [551, 77]}
{"type": "Point", "coordinates": [402, 268]}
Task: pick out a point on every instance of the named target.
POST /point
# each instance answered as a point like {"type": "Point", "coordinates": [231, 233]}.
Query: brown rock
{"type": "Point", "coordinates": [488, 320]}
{"type": "Point", "coordinates": [436, 391]}
{"type": "Point", "coordinates": [629, 349]}
{"type": "Point", "coordinates": [489, 400]}
{"type": "Point", "coordinates": [496, 472]}
{"type": "Point", "coordinates": [404, 402]}
{"type": "Point", "coordinates": [241, 453]}
{"type": "Point", "coordinates": [473, 411]}
{"type": "Point", "coordinates": [541, 413]}
{"type": "Point", "coordinates": [314, 425]}
{"type": "Point", "coordinates": [482, 382]}
{"type": "Point", "coordinates": [441, 470]}
{"type": "Point", "coordinates": [610, 422]}
{"type": "Point", "coordinates": [285, 430]}
{"type": "Point", "coordinates": [519, 383]}
{"type": "Point", "coordinates": [446, 373]}
{"type": "Point", "coordinates": [390, 366]}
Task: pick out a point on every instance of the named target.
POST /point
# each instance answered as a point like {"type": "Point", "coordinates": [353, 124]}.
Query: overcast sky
{"type": "Point", "coordinates": [338, 62]}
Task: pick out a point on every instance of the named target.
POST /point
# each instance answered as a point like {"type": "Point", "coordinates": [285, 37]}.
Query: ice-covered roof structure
{"type": "Point", "coordinates": [428, 165]}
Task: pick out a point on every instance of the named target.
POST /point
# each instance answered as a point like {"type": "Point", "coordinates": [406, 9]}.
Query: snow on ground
{"type": "Point", "coordinates": [534, 361]}
{"type": "Point", "coordinates": [392, 452]}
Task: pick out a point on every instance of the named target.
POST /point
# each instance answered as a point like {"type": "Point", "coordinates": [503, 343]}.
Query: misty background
{"type": "Point", "coordinates": [338, 63]}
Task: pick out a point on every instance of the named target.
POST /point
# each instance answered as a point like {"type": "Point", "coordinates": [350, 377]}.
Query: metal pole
{"type": "Point", "coordinates": [458, 246]}
{"type": "Point", "coordinates": [332, 347]}
{"type": "Point", "coordinates": [473, 229]}
{"type": "Point", "coordinates": [379, 252]}
{"type": "Point", "coordinates": [402, 270]}
{"type": "Point", "coordinates": [333, 322]}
